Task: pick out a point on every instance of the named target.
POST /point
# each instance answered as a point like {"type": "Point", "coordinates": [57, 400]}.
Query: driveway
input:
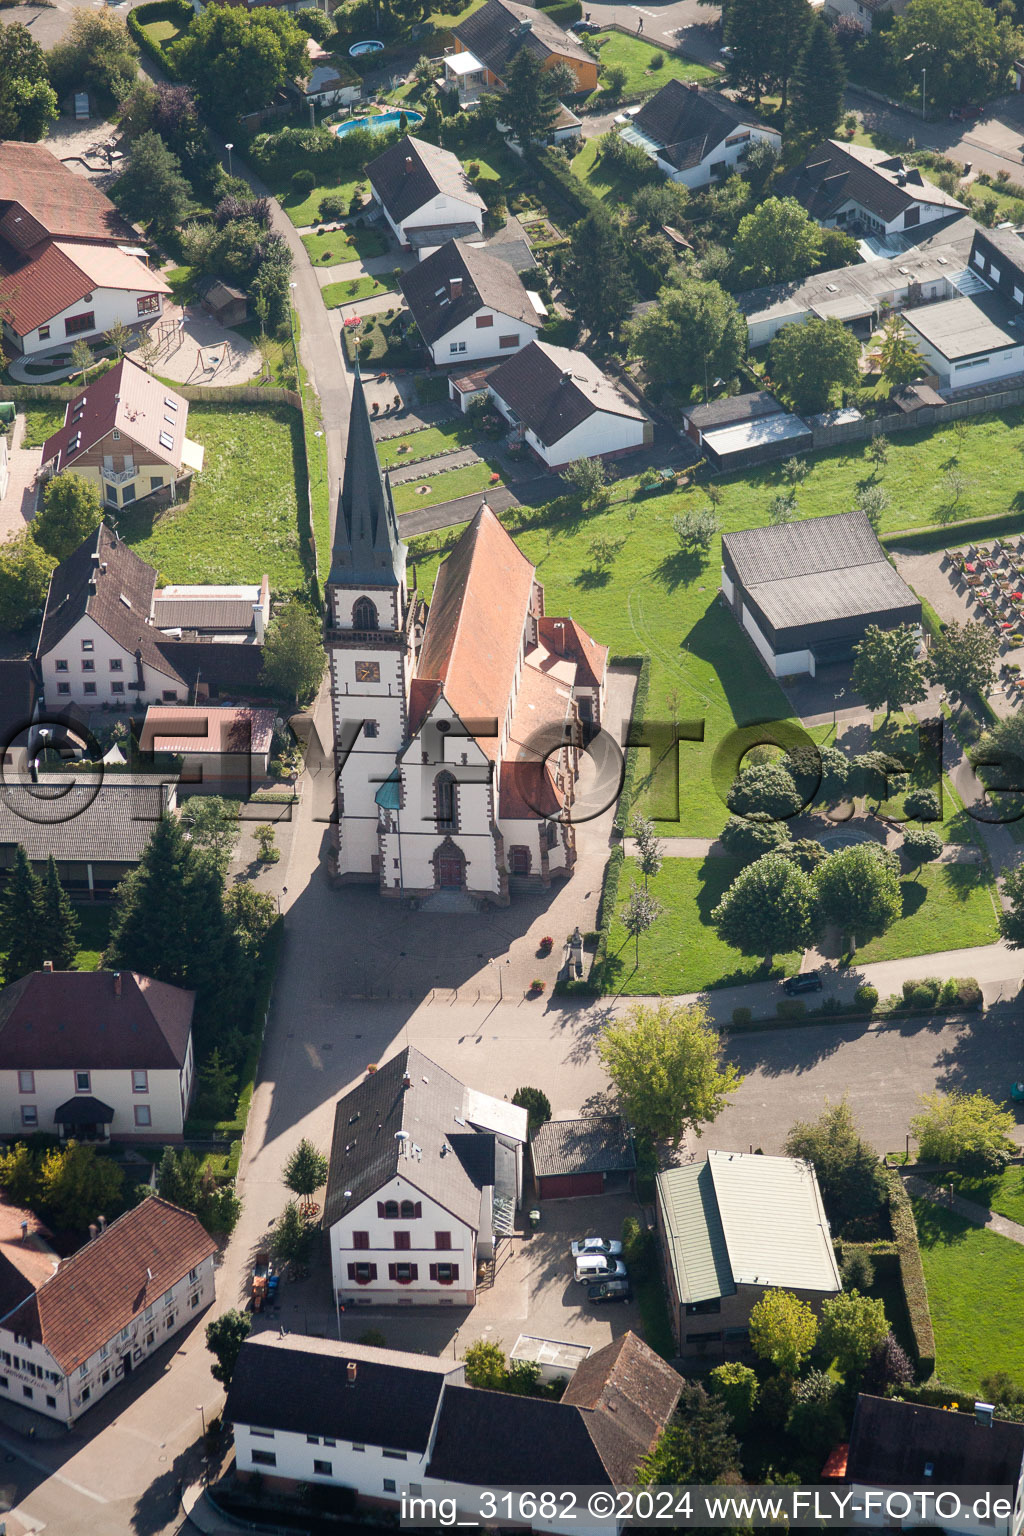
{"type": "Point", "coordinates": [18, 504]}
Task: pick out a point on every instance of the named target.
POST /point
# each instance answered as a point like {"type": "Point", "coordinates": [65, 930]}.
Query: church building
{"type": "Point", "coordinates": [457, 729]}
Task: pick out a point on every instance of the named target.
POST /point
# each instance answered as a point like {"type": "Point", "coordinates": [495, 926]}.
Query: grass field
{"type": "Point", "coordinates": [636, 55]}
{"type": "Point", "coordinates": [303, 208]}
{"type": "Point", "coordinates": [41, 420]}
{"type": "Point", "coordinates": [93, 934]}
{"type": "Point", "coordinates": [444, 487]}
{"type": "Point", "coordinates": [1003, 1193]}
{"type": "Point", "coordinates": [163, 33]}
{"type": "Point", "coordinates": [601, 176]}
{"type": "Point", "coordinates": [945, 906]}
{"type": "Point", "coordinates": [975, 1281]}
{"type": "Point", "coordinates": [355, 289]}
{"type": "Point", "coordinates": [242, 516]}
{"type": "Point", "coordinates": [426, 443]}
{"type": "Point", "coordinates": [338, 245]}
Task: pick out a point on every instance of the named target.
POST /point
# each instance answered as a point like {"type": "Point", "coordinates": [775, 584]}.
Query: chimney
{"type": "Point", "coordinates": [102, 1222]}
{"type": "Point", "coordinates": [406, 1080]}
{"type": "Point", "coordinates": [117, 983]}
{"type": "Point", "coordinates": [47, 965]}
{"type": "Point", "coordinates": [351, 1371]}
{"type": "Point", "coordinates": [103, 567]}
{"type": "Point", "coordinates": [259, 622]}
{"type": "Point", "coordinates": [408, 165]}
{"type": "Point", "coordinates": [984, 1413]}
{"type": "Point", "coordinates": [92, 1231]}
{"type": "Point", "coordinates": [455, 287]}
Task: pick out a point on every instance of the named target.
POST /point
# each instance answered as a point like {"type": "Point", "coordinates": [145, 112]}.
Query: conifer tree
{"type": "Point", "coordinates": [21, 928]}
{"type": "Point", "coordinates": [59, 923]}
{"type": "Point", "coordinates": [818, 83]}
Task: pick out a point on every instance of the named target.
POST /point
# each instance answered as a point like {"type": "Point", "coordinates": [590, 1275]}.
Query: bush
{"type": "Point", "coordinates": [637, 1247]}
{"type": "Point", "coordinates": [742, 1015]}
{"type": "Point", "coordinates": [922, 805]}
{"type": "Point", "coordinates": [915, 1291]}
{"type": "Point", "coordinates": [923, 993]}
{"type": "Point", "coordinates": [332, 206]}
{"type": "Point", "coordinates": [303, 181]}
{"type": "Point", "coordinates": [791, 1008]}
{"type": "Point", "coordinates": [657, 61]}
{"type": "Point", "coordinates": [968, 993]}
{"type": "Point", "coordinates": [858, 1271]}
{"type": "Point", "coordinates": [866, 997]}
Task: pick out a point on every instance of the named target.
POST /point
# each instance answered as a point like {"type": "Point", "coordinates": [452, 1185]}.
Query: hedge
{"type": "Point", "coordinates": [904, 1231]}
{"type": "Point", "coordinates": [565, 13]}
{"type": "Point", "coordinates": [178, 11]}
{"type": "Point", "coordinates": [552, 167]}
{"type": "Point", "coordinates": [637, 717]}
{"type": "Point", "coordinates": [950, 535]}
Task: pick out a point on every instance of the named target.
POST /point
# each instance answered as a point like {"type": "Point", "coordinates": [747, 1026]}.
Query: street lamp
{"type": "Point", "coordinates": [924, 91]}
{"type": "Point", "coordinates": [291, 321]}
{"type": "Point", "coordinates": [229, 148]}
{"type": "Point", "coordinates": [202, 1411]}
{"type": "Point", "coordinates": [501, 989]}
{"type": "Point", "coordinates": [835, 704]}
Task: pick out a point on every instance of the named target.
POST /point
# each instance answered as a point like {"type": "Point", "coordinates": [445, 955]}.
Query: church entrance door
{"type": "Point", "coordinates": [450, 871]}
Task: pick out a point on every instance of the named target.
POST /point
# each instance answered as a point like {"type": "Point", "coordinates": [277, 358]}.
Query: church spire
{"type": "Point", "coordinates": [367, 546]}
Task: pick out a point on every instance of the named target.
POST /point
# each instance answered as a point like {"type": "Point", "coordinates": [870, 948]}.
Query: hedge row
{"type": "Point", "coordinates": [552, 167]}
{"type": "Point", "coordinates": [904, 1230]}
{"type": "Point", "coordinates": [178, 11]}
{"type": "Point", "coordinates": [565, 13]}
{"type": "Point", "coordinates": [639, 714]}
{"type": "Point", "coordinates": [951, 535]}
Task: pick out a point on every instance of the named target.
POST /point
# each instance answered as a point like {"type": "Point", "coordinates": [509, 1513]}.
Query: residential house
{"type": "Point", "coordinates": [863, 12]}
{"type": "Point", "coordinates": [70, 266]}
{"type": "Point", "coordinates": [899, 1445]}
{"type": "Point", "coordinates": [487, 41]}
{"type": "Point", "coordinates": [865, 191]}
{"type": "Point", "coordinates": [805, 593]}
{"type": "Point", "coordinates": [697, 137]}
{"type": "Point", "coordinates": [738, 430]}
{"type": "Point", "coordinates": [97, 1055]}
{"type": "Point", "coordinates": [225, 750]}
{"type": "Point", "coordinates": [394, 1427]}
{"type": "Point", "coordinates": [425, 195]}
{"type": "Point", "coordinates": [591, 1155]}
{"type": "Point", "coordinates": [470, 305]}
{"type": "Point", "coordinates": [425, 1177]}
{"type": "Point", "coordinates": [330, 81]}
{"type": "Point", "coordinates": [126, 435]}
{"type": "Point", "coordinates": [96, 828]}
{"type": "Point", "coordinates": [109, 638]}
{"type": "Point", "coordinates": [458, 729]}
{"type": "Point", "coordinates": [732, 1227]}
{"type": "Point", "coordinates": [967, 341]}
{"type": "Point", "coordinates": [68, 1337]}
{"type": "Point", "coordinates": [563, 407]}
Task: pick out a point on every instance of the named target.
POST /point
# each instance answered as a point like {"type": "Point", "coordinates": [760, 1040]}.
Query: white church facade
{"type": "Point", "coordinates": [457, 728]}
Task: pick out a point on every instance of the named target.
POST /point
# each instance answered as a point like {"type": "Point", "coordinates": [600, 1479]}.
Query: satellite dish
{"type": "Point", "coordinates": [401, 1135]}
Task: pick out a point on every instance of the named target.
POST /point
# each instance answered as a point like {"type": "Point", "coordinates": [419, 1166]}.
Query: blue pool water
{"type": "Point", "coordinates": [370, 46]}
{"type": "Point", "coordinates": [377, 124]}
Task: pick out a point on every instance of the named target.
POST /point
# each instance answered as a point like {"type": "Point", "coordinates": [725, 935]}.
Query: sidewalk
{"type": "Point", "coordinates": [970, 1210]}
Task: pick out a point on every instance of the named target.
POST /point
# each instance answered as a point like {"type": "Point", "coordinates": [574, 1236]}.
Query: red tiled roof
{"type": "Point", "coordinates": [627, 1395]}
{"type": "Point", "coordinates": [60, 202]}
{"type": "Point", "coordinates": [56, 1019]}
{"type": "Point", "coordinates": [39, 288]}
{"type": "Point", "coordinates": [104, 1286]}
{"type": "Point", "coordinates": [564, 637]}
{"type": "Point", "coordinates": [474, 630]}
{"type": "Point", "coordinates": [134, 402]}
{"type": "Point", "coordinates": [528, 787]}
{"type": "Point", "coordinates": [228, 729]}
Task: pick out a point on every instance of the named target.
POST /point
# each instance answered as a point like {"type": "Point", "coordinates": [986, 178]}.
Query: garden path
{"type": "Point", "coordinates": [970, 1210]}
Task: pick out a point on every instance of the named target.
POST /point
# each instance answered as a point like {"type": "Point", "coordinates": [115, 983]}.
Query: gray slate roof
{"type": "Point", "coordinates": [497, 32]}
{"type": "Point", "coordinates": [892, 1442]}
{"type": "Point", "coordinates": [501, 1441]}
{"type": "Point", "coordinates": [835, 173]}
{"type": "Point", "coordinates": [554, 390]}
{"type": "Point", "coordinates": [590, 1144]}
{"type": "Point", "coordinates": [412, 173]}
{"type": "Point", "coordinates": [488, 282]}
{"type": "Point", "coordinates": [690, 123]}
{"type": "Point", "coordinates": [966, 327]}
{"type": "Point", "coordinates": [78, 822]}
{"type": "Point", "coordinates": [224, 613]}
{"type": "Point", "coordinates": [734, 408]}
{"type": "Point", "coordinates": [817, 570]}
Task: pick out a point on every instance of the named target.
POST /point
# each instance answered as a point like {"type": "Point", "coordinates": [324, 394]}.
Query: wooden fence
{"type": "Point", "coordinates": [245, 394]}
{"type": "Point", "coordinates": [978, 404]}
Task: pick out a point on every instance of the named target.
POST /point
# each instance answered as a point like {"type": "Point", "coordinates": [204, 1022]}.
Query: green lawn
{"type": "Point", "coordinates": [446, 486]}
{"type": "Point", "coordinates": [636, 55]}
{"type": "Point", "coordinates": [975, 1281]}
{"type": "Point", "coordinates": [681, 952]}
{"type": "Point", "coordinates": [304, 207]}
{"type": "Point", "coordinates": [335, 246]}
{"type": "Point", "coordinates": [355, 289]}
{"type": "Point", "coordinates": [945, 906]}
{"type": "Point", "coordinates": [41, 420]}
{"type": "Point", "coordinates": [93, 934]}
{"type": "Point", "coordinates": [424, 444]}
{"type": "Point", "coordinates": [1003, 1193]}
{"type": "Point", "coordinates": [603, 178]}
{"type": "Point", "coordinates": [163, 33]}
{"type": "Point", "coordinates": [242, 516]}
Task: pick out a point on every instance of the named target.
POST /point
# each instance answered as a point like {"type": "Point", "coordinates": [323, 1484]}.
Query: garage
{"type": "Point", "coordinates": [591, 1155]}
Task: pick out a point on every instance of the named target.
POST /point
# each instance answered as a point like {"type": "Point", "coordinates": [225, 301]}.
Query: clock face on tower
{"type": "Point", "coordinates": [367, 671]}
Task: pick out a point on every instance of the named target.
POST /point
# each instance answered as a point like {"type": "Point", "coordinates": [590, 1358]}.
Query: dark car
{"type": "Point", "coordinates": [584, 26]}
{"type": "Point", "coordinates": [807, 981]}
{"type": "Point", "coordinates": [610, 1290]}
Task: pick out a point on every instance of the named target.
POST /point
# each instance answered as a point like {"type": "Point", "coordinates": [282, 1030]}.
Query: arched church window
{"type": "Point", "coordinates": [446, 803]}
{"type": "Point", "coordinates": [364, 614]}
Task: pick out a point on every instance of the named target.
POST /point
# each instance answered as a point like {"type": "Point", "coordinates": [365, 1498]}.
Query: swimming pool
{"type": "Point", "coordinates": [372, 45]}
{"type": "Point", "coordinates": [379, 123]}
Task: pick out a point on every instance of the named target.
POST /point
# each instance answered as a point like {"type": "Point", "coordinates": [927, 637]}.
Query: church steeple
{"type": "Point", "coordinates": [367, 546]}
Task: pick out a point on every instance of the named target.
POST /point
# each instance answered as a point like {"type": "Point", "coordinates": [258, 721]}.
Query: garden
{"type": "Point", "coordinates": [645, 66]}
{"type": "Point", "coordinates": [975, 1281]}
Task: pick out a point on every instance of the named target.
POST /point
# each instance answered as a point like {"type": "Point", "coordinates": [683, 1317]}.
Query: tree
{"type": "Point", "coordinates": [922, 804]}
{"type": "Point", "coordinates": [813, 361]}
{"type": "Point", "coordinates": [212, 824]}
{"type": "Point", "coordinates": [650, 850]}
{"type": "Point", "coordinates": [962, 659]}
{"type": "Point", "coordinates": [852, 1326]}
{"type": "Point", "coordinates": [21, 919]}
{"type": "Point", "coordinates": [765, 789]}
{"type": "Point", "coordinates": [858, 891]}
{"type": "Point", "coordinates": [696, 528]}
{"type": "Point", "coordinates": [250, 915]}
{"type": "Point", "coordinates": [747, 838]}
{"type": "Point", "coordinates": [147, 349]}
{"type": "Point", "coordinates": [182, 1179]}
{"type": "Point", "coordinates": [265, 835]}
{"type": "Point", "coordinates": [562, 81]}
{"type": "Point", "coordinates": [969, 50]}
{"type": "Point", "coordinates": [666, 1065]}
{"type": "Point", "coordinates": [777, 243]}
{"type": "Point", "coordinates": [697, 1446]}
{"type": "Point", "coordinates": [782, 1330]}
{"type": "Point", "coordinates": [224, 1339]}
{"type": "Point", "coordinates": [486, 1365]}
{"type": "Point", "coordinates": [768, 908]}
{"type": "Point", "coordinates": [537, 1106]}
{"type": "Point", "coordinates": [76, 1185]}
{"type": "Point", "coordinates": [152, 190]}
{"type": "Point", "coordinates": [890, 1366]}
{"type": "Point", "coordinates": [782, 508]}
{"type": "Point", "coordinates": [530, 105]}
{"type": "Point", "coordinates": [814, 1420]}
{"type": "Point", "coordinates": [968, 1131]}
{"type": "Point", "coordinates": [819, 81]}
{"type": "Point", "coordinates": [849, 1174]}
{"type": "Point", "coordinates": [765, 37]}
{"type": "Point", "coordinates": [899, 359]}
{"type": "Point", "coordinates": [291, 1237]}
{"type": "Point", "coordinates": [118, 339]}
{"type": "Point", "coordinates": [873, 501]}
{"type": "Point", "coordinates": [293, 654]}
{"type": "Point", "coordinates": [19, 1175]}
{"type": "Point", "coordinates": [886, 668]}
{"type": "Point", "coordinates": [921, 846]}
{"type": "Point", "coordinates": [27, 99]}
{"type": "Point", "coordinates": [641, 912]}
{"type": "Point", "coordinates": [596, 273]}
{"type": "Point", "coordinates": [238, 60]}
{"type": "Point", "coordinates": [588, 477]}
{"type": "Point", "coordinates": [70, 512]}
{"type": "Point", "coordinates": [835, 775]}
{"type": "Point", "coordinates": [305, 1171]}
{"type": "Point", "coordinates": [82, 357]}
{"type": "Point", "coordinates": [57, 920]}
{"type": "Point", "coordinates": [737, 1386]}
{"type": "Point", "coordinates": [24, 579]}
{"type": "Point", "coordinates": [95, 54]}
{"type": "Point", "coordinates": [695, 332]}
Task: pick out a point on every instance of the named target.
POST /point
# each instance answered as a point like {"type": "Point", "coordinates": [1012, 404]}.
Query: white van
{"type": "Point", "coordinates": [596, 1266]}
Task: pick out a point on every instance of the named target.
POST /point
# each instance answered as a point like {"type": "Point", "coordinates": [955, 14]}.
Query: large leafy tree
{"type": "Point", "coordinates": [224, 1339]}
{"type": "Point", "coordinates": [814, 362]}
{"type": "Point", "coordinates": [769, 908]}
{"type": "Point", "coordinates": [27, 99]}
{"type": "Point", "coordinates": [819, 80]}
{"type": "Point", "coordinates": [858, 891]}
{"type": "Point", "coordinates": [95, 54]}
{"type": "Point", "coordinates": [852, 1326]}
{"type": "Point", "coordinates": [24, 578]}
{"type": "Point", "coordinates": [969, 49]}
{"type": "Point", "coordinates": [782, 1330]}
{"type": "Point", "coordinates": [698, 1446]}
{"type": "Point", "coordinates": [962, 659]}
{"type": "Point", "coordinates": [70, 512]}
{"type": "Point", "coordinates": [849, 1173]}
{"type": "Point", "coordinates": [777, 243]}
{"type": "Point", "coordinates": [76, 1185]}
{"type": "Point", "coordinates": [887, 669]}
{"type": "Point", "coordinates": [293, 655]}
{"type": "Point", "coordinates": [597, 274]}
{"type": "Point", "coordinates": [969, 1131]}
{"type": "Point", "coordinates": [765, 789]}
{"type": "Point", "coordinates": [306, 1170]}
{"type": "Point", "coordinates": [153, 190]}
{"type": "Point", "coordinates": [529, 105]}
{"type": "Point", "coordinates": [694, 333]}
{"type": "Point", "coordinates": [238, 60]}
{"type": "Point", "coordinates": [212, 824]}
{"type": "Point", "coordinates": [897, 356]}
{"type": "Point", "coordinates": [666, 1065]}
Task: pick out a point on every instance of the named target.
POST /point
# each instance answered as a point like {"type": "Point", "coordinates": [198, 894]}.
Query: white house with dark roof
{"type": "Point", "coordinates": [864, 12]}
{"type": "Point", "coordinates": [732, 1227]}
{"type": "Point", "coordinates": [424, 193]}
{"type": "Point", "coordinates": [489, 39]}
{"type": "Point", "coordinates": [470, 305]}
{"type": "Point", "coordinates": [696, 137]}
{"type": "Point", "coordinates": [859, 189]}
{"type": "Point", "coordinates": [425, 1177]}
{"type": "Point", "coordinates": [68, 1337]}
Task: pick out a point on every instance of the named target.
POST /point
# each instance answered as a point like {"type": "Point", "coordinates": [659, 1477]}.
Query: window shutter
{"type": "Point", "coordinates": [455, 1271]}
{"type": "Point", "coordinates": [414, 1273]}
{"type": "Point", "coordinates": [380, 1209]}
{"type": "Point", "coordinates": [352, 1272]}
{"type": "Point", "coordinates": [442, 1240]}
{"type": "Point", "coordinates": [418, 1211]}
{"type": "Point", "coordinates": [373, 1271]}
{"type": "Point", "coordinates": [433, 1271]}
{"type": "Point", "coordinates": [360, 1239]}
{"type": "Point", "coordinates": [392, 1271]}
{"type": "Point", "coordinates": [403, 1240]}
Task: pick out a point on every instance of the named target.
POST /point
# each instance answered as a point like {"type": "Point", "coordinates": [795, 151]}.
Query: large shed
{"type": "Point", "coordinates": [592, 1155]}
{"type": "Point", "coordinates": [805, 592]}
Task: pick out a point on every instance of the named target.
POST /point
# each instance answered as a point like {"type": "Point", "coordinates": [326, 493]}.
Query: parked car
{"type": "Point", "coordinates": [591, 1267]}
{"type": "Point", "coordinates": [807, 981]}
{"type": "Point", "coordinates": [725, 53]}
{"type": "Point", "coordinates": [610, 1290]}
{"type": "Point", "coordinates": [586, 25]}
{"type": "Point", "coordinates": [597, 1245]}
